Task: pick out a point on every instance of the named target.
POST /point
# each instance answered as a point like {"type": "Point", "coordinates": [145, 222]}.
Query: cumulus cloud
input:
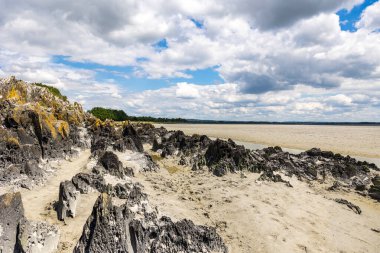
{"type": "Point", "coordinates": [274, 14]}
{"type": "Point", "coordinates": [185, 90]}
{"type": "Point", "coordinates": [275, 57]}
{"type": "Point", "coordinates": [225, 102]}
{"type": "Point", "coordinates": [370, 18]}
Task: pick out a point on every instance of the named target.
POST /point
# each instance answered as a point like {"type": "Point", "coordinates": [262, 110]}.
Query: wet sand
{"type": "Point", "coordinates": [363, 141]}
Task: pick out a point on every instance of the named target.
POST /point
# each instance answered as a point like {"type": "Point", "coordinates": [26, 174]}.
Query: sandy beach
{"type": "Point", "coordinates": [363, 141]}
{"type": "Point", "coordinates": [254, 216]}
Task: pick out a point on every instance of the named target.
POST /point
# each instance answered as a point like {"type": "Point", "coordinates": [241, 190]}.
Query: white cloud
{"type": "Point", "coordinates": [340, 99]}
{"type": "Point", "coordinates": [370, 18]}
{"type": "Point", "coordinates": [185, 90]}
{"type": "Point", "coordinates": [277, 58]}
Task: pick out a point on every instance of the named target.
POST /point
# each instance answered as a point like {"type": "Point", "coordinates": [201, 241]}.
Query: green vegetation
{"type": "Point", "coordinates": [152, 119]}
{"type": "Point", "coordinates": [52, 90]}
{"type": "Point", "coordinates": [120, 115]}
{"type": "Point", "coordinates": [106, 113]}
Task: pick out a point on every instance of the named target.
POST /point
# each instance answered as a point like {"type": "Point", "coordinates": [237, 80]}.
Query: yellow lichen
{"type": "Point", "coordinates": [14, 94]}
{"type": "Point", "coordinates": [63, 128]}
{"type": "Point", "coordinates": [13, 141]}
{"type": "Point", "coordinates": [48, 122]}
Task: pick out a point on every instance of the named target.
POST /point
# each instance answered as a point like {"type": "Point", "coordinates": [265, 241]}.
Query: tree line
{"type": "Point", "coordinates": [119, 115]}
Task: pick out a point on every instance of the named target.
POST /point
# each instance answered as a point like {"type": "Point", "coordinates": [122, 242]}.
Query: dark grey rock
{"type": "Point", "coordinates": [84, 182]}
{"type": "Point", "coordinates": [270, 176]}
{"type": "Point", "coordinates": [374, 190]}
{"type": "Point", "coordinates": [37, 237]}
{"type": "Point", "coordinates": [113, 228]}
{"type": "Point", "coordinates": [68, 198]}
{"type": "Point", "coordinates": [32, 169]}
{"type": "Point", "coordinates": [111, 164]}
{"type": "Point", "coordinates": [11, 214]}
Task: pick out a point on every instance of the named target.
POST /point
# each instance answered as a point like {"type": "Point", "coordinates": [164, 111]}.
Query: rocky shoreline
{"type": "Point", "coordinates": [38, 128]}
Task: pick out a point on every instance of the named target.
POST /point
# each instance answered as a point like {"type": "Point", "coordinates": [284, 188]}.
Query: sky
{"type": "Point", "coordinates": [274, 60]}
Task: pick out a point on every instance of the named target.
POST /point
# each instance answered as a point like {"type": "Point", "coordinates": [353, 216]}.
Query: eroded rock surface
{"type": "Point", "coordinates": [223, 157]}
{"type": "Point", "coordinates": [134, 227]}
{"type": "Point", "coordinates": [68, 199]}
{"type": "Point", "coordinates": [37, 237]}
{"type": "Point", "coordinates": [11, 214]}
{"type": "Point", "coordinates": [35, 124]}
{"type": "Point", "coordinates": [17, 234]}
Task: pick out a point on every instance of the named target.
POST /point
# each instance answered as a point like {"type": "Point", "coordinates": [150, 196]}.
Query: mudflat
{"type": "Point", "coordinates": [361, 141]}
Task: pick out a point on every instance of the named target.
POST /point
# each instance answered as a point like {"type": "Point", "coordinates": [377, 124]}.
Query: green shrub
{"type": "Point", "coordinates": [106, 113]}
{"type": "Point", "coordinates": [52, 90]}
{"type": "Point", "coordinates": [120, 115]}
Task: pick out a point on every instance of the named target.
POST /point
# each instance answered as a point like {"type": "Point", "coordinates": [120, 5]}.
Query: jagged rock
{"type": "Point", "coordinates": [121, 191]}
{"type": "Point", "coordinates": [228, 155]}
{"type": "Point", "coordinates": [68, 198]}
{"type": "Point", "coordinates": [222, 157]}
{"type": "Point", "coordinates": [11, 213]}
{"type": "Point", "coordinates": [270, 176]}
{"type": "Point", "coordinates": [149, 165]}
{"type": "Point", "coordinates": [220, 171]}
{"type": "Point", "coordinates": [99, 145]}
{"type": "Point", "coordinates": [374, 190]}
{"type": "Point", "coordinates": [32, 169]}
{"type": "Point", "coordinates": [134, 227]}
{"type": "Point", "coordinates": [37, 237]}
{"type": "Point", "coordinates": [105, 229]}
{"type": "Point", "coordinates": [112, 165]}
{"type": "Point", "coordinates": [132, 139]}
{"type": "Point", "coordinates": [169, 236]}
{"type": "Point", "coordinates": [148, 133]}
{"type": "Point", "coordinates": [34, 124]}
{"type": "Point", "coordinates": [358, 184]}
{"type": "Point", "coordinates": [336, 186]}
{"type": "Point", "coordinates": [353, 207]}
{"type": "Point", "coordinates": [84, 182]}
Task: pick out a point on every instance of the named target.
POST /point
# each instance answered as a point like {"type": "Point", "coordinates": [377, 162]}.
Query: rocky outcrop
{"type": "Point", "coordinates": [12, 214]}
{"type": "Point", "coordinates": [134, 227]}
{"type": "Point", "coordinates": [37, 237]}
{"type": "Point", "coordinates": [270, 176]}
{"type": "Point", "coordinates": [17, 234]}
{"type": "Point", "coordinates": [223, 157]}
{"type": "Point", "coordinates": [68, 199]}
{"type": "Point", "coordinates": [119, 136]}
{"type": "Point", "coordinates": [86, 183]}
{"type": "Point", "coordinates": [228, 155]}
{"type": "Point", "coordinates": [374, 190]}
{"type": "Point", "coordinates": [148, 133]}
{"type": "Point", "coordinates": [111, 164]}
{"type": "Point", "coordinates": [34, 124]}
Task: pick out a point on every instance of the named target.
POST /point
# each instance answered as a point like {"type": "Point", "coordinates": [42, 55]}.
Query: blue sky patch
{"type": "Point", "coordinates": [199, 24]}
{"type": "Point", "coordinates": [125, 77]}
{"type": "Point", "coordinates": [348, 19]}
{"type": "Point", "coordinates": [161, 45]}
{"type": "Point", "coordinates": [202, 76]}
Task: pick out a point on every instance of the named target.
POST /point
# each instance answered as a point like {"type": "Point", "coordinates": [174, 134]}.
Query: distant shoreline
{"type": "Point", "coordinates": [274, 123]}
{"type": "Point", "coordinates": [354, 140]}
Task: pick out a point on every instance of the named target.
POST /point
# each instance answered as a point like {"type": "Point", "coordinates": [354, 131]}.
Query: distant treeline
{"type": "Point", "coordinates": [196, 121]}
{"type": "Point", "coordinates": [120, 115]}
